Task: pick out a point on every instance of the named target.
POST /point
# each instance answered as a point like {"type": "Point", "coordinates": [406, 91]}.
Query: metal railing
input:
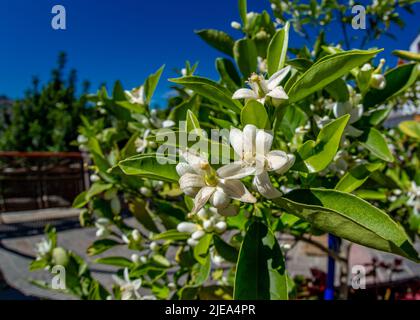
{"type": "Point", "coordinates": [38, 180]}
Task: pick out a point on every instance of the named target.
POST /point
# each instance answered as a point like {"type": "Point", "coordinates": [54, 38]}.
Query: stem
{"type": "Point", "coordinates": [331, 253]}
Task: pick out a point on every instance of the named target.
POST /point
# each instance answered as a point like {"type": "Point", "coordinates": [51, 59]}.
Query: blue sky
{"type": "Point", "coordinates": [108, 40]}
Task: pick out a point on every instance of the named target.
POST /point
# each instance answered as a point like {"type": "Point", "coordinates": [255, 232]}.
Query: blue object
{"type": "Point", "coordinates": [333, 244]}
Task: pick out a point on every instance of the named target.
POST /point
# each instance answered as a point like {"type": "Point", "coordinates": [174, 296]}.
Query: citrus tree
{"type": "Point", "coordinates": [285, 142]}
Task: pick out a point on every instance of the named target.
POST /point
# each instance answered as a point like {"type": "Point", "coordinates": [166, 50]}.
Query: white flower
{"type": "Point", "coordinates": [158, 123]}
{"type": "Point", "coordinates": [414, 197]}
{"type": "Point", "coordinates": [261, 88]}
{"type": "Point", "coordinates": [209, 220]}
{"type": "Point", "coordinates": [142, 143]}
{"type": "Point", "coordinates": [252, 146]}
{"type": "Point", "coordinates": [354, 108]}
{"type": "Point", "coordinates": [43, 247]}
{"type": "Point", "coordinates": [262, 65]}
{"type": "Point", "coordinates": [103, 225]}
{"type": "Point", "coordinates": [199, 180]}
{"type": "Point", "coordinates": [94, 177]}
{"type": "Point", "coordinates": [136, 96]}
{"type": "Point", "coordinates": [129, 289]}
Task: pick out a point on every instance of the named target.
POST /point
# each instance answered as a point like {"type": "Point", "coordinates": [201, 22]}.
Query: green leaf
{"type": "Point", "coordinates": [201, 250]}
{"type": "Point", "coordinates": [147, 166]}
{"type": "Point", "coordinates": [318, 154]}
{"type": "Point", "coordinates": [179, 113]}
{"type": "Point", "coordinates": [118, 93]}
{"type": "Point", "coordinates": [97, 188]}
{"type": "Point", "coordinates": [397, 80]}
{"type": "Point", "coordinates": [356, 176]}
{"type": "Point", "coordinates": [245, 53]}
{"type": "Point", "coordinates": [347, 216]}
{"type": "Point", "coordinates": [210, 90]}
{"type": "Point", "coordinates": [151, 83]}
{"type": "Point", "coordinates": [326, 70]}
{"type": "Point", "coordinates": [138, 208]}
{"type": "Point", "coordinates": [80, 201]}
{"type": "Point", "coordinates": [254, 113]}
{"type": "Point", "coordinates": [277, 50]}
{"type": "Point", "coordinates": [217, 39]}
{"type": "Point", "coordinates": [375, 142]}
{"type": "Point", "coordinates": [225, 250]}
{"type": "Point", "coordinates": [115, 261]}
{"type": "Point", "coordinates": [192, 122]}
{"type": "Point", "coordinates": [228, 73]}
{"type": "Point", "coordinates": [410, 128]}
{"type": "Point", "coordinates": [172, 235]}
{"type": "Point", "coordinates": [338, 90]}
{"type": "Point", "coordinates": [407, 55]}
{"type": "Point", "coordinates": [38, 264]}
{"type": "Point", "coordinates": [100, 246]}
{"type": "Point", "coordinates": [243, 11]}
{"type": "Point", "coordinates": [293, 118]}
{"type": "Point", "coordinates": [260, 272]}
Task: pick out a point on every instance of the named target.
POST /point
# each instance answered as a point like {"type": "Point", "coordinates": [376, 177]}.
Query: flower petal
{"type": "Point", "coordinates": [264, 140]}
{"type": "Point", "coordinates": [202, 197]}
{"type": "Point", "coordinates": [195, 161]}
{"type": "Point", "coordinates": [249, 136]}
{"type": "Point", "coordinates": [235, 170]}
{"type": "Point", "coordinates": [342, 108]}
{"type": "Point", "coordinates": [237, 190]}
{"type": "Point", "coordinates": [236, 141]}
{"type": "Point", "coordinates": [183, 168]}
{"type": "Point", "coordinates": [278, 93]}
{"type": "Point", "coordinates": [277, 77]}
{"type": "Point", "coordinates": [264, 186]}
{"type": "Point", "coordinates": [244, 94]}
{"type": "Point", "coordinates": [280, 161]}
{"type": "Point", "coordinates": [190, 183]}
{"type": "Point", "coordinates": [219, 199]}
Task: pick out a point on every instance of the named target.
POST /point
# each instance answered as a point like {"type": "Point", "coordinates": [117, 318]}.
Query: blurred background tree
{"type": "Point", "coordinates": [47, 118]}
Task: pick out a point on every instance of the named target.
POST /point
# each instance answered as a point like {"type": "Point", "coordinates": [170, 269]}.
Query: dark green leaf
{"type": "Point", "coordinates": [261, 273]}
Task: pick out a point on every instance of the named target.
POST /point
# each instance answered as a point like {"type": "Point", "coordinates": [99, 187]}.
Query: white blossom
{"type": "Point", "coordinates": [102, 225]}
{"type": "Point", "coordinates": [208, 220]}
{"type": "Point", "coordinates": [43, 247]}
{"type": "Point", "coordinates": [260, 88]}
{"type": "Point", "coordinates": [130, 288]}
{"type": "Point", "coordinates": [252, 146]}
{"type": "Point", "coordinates": [136, 95]}
{"type": "Point", "coordinates": [199, 180]}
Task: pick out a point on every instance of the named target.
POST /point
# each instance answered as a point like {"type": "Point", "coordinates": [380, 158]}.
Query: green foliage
{"type": "Point", "coordinates": [47, 118]}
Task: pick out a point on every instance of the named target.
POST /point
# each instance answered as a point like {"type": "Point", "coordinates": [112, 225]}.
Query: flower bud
{"type": "Point", "coordinates": [378, 81]}
{"type": "Point", "coordinates": [135, 258]}
{"type": "Point", "coordinates": [220, 226]}
{"type": "Point", "coordinates": [191, 242]}
{"type": "Point", "coordinates": [60, 256]}
{"type": "Point", "coordinates": [208, 225]}
{"type": "Point", "coordinates": [235, 25]}
{"type": "Point", "coordinates": [115, 205]}
{"type": "Point", "coordinates": [187, 227]}
{"type": "Point", "coordinates": [146, 192]}
{"type": "Point", "coordinates": [135, 235]}
{"type": "Point", "coordinates": [94, 177]}
{"type": "Point", "coordinates": [197, 235]}
{"type": "Point", "coordinates": [154, 246]}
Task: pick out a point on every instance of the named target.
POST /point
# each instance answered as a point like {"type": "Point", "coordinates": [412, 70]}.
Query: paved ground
{"type": "Point", "coordinates": [19, 235]}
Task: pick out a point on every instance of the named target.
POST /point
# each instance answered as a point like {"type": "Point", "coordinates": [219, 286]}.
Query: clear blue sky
{"type": "Point", "coordinates": [108, 40]}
